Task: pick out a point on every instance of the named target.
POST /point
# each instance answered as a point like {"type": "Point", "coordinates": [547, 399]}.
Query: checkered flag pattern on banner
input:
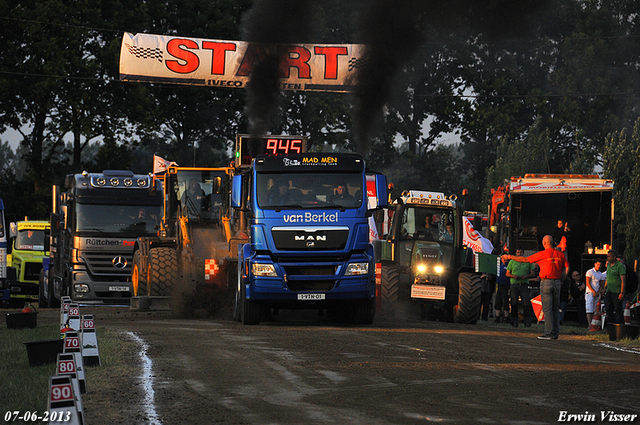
{"type": "Point", "coordinates": [355, 63]}
{"type": "Point", "coordinates": [145, 52]}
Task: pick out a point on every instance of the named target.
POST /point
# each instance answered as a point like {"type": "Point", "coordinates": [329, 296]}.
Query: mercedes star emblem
{"type": "Point", "coordinates": [119, 262]}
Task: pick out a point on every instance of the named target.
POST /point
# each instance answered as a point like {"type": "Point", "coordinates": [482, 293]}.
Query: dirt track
{"type": "Point", "coordinates": [300, 370]}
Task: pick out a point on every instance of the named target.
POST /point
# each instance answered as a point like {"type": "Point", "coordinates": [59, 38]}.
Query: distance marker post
{"type": "Point", "coordinates": [74, 317]}
{"type": "Point", "coordinates": [67, 367]}
{"type": "Point", "coordinates": [61, 406]}
{"type": "Point", "coordinates": [73, 345]}
{"type": "Point", "coordinates": [90, 350]}
{"type": "Point", "coordinates": [64, 312]}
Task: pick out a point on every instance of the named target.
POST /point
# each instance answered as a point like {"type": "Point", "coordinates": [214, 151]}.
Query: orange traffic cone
{"type": "Point", "coordinates": [627, 314]}
{"type": "Point", "coordinates": [596, 322]}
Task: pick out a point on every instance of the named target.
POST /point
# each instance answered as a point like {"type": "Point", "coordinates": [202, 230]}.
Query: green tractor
{"type": "Point", "coordinates": [426, 268]}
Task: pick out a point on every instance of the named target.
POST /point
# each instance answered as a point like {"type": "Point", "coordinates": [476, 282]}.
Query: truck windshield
{"type": "Point", "coordinates": [123, 220]}
{"type": "Point", "coordinates": [309, 190]}
{"type": "Point", "coordinates": [30, 240]}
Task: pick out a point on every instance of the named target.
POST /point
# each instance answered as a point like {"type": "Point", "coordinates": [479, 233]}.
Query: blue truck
{"type": "Point", "coordinates": [307, 218]}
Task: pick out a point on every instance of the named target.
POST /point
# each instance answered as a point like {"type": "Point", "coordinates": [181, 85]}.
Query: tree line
{"type": "Point", "coordinates": [561, 96]}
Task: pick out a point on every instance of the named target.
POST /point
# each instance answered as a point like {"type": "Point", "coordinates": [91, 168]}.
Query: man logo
{"type": "Point", "coordinates": [311, 238]}
{"type": "Point", "coordinates": [310, 244]}
{"type": "Point", "coordinates": [119, 262]}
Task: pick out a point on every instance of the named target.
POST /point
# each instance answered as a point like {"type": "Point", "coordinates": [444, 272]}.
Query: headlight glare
{"type": "Point", "coordinates": [355, 269]}
{"type": "Point", "coordinates": [265, 270]}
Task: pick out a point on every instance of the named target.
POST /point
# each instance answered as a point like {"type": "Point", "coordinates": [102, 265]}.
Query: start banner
{"type": "Point", "coordinates": [223, 63]}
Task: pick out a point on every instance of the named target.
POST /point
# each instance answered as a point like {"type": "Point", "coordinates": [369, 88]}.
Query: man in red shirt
{"type": "Point", "coordinates": [553, 269]}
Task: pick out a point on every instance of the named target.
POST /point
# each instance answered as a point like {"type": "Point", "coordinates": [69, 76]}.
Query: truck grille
{"type": "Point", "coordinates": [310, 276]}
{"type": "Point", "coordinates": [32, 271]}
{"type": "Point", "coordinates": [101, 265]}
{"type": "Point", "coordinates": [310, 270]}
{"type": "Point", "coordinates": [311, 285]}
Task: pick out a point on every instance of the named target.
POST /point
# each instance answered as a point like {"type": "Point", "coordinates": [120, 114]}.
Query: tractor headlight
{"type": "Point", "coordinates": [355, 269]}
{"type": "Point", "coordinates": [438, 269]}
{"type": "Point", "coordinates": [421, 269]}
{"type": "Point", "coordinates": [265, 270]}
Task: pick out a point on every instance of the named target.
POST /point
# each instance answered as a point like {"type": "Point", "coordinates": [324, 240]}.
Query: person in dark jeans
{"type": "Point", "coordinates": [615, 286]}
{"type": "Point", "coordinates": [553, 269]}
{"type": "Point", "coordinates": [502, 296]}
{"type": "Point", "coordinates": [577, 288]}
{"type": "Point", "coordinates": [519, 274]}
{"type": "Point", "coordinates": [487, 289]}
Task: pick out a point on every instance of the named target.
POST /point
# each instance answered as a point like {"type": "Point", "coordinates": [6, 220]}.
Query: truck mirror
{"type": "Point", "coordinates": [13, 230]}
{"type": "Point", "coordinates": [55, 224]}
{"type": "Point", "coordinates": [236, 192]}
{"type": "Point", "coordinates": [477, 223]}
{"type": "Point", "coordinates": [47, 241]}
{"type": "Point", "coordinates": [153, 187]}
{"type": "Point", "coordinates": [216, 185]}
{"type": "Point", "coordinates": [381, 191]}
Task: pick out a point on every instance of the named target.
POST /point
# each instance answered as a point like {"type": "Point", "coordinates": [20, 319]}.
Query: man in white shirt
{"type": "Point", "coordinates": [593, 289]}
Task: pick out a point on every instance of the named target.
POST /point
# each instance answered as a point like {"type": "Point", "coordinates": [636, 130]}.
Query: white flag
{"type": "Point", "coordinates": [373, 230]}
{"type": "Point", "coordinates": [474, 240]}
{"type": "Point", "coordinates": [160, 164]}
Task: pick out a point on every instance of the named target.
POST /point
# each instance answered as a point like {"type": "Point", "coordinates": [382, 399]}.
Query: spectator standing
{"type": "Point", "coordinates": [553, 269]}
{"type": "Point", "coordinates": [577, 288]}
{"type": "Point", "coordinates": [519, 274]}
{"type": "Point", "coordinates": [558, 232]}
{"type": "Point", "coordinates": [487, 288]}
{"type": "Point", "coordinates": [565, 289]}
{"type": "Point", "coordinates": [614, 287]}
{"type": "Point", "coordinates": [631, 282]}
{"type": "Point", "coordinates": [502, 296]}
{"type": "Point", "coordinates": [593, 289]}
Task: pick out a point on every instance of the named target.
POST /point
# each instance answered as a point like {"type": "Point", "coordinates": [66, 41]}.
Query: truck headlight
{"type": "Point", "coordinates": [81, 288]}
{"type": "Point", "coordinates": [354, 269]}
{"type": "Point", "coordinates": [265, 270]}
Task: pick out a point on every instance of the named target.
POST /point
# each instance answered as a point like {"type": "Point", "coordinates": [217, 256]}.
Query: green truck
{"type": "Point", "coordinates": [29, 245]}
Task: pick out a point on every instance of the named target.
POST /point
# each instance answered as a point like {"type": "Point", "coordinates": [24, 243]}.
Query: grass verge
{"type": "Point", "coordinates": [26, 388]}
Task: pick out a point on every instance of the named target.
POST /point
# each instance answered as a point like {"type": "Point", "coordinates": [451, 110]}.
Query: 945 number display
{"type": "Point", "coordinates": [54, 416]}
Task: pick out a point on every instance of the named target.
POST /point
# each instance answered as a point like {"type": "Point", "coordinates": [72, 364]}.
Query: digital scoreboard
{"type": "Point", "coordinates": [248, 147]}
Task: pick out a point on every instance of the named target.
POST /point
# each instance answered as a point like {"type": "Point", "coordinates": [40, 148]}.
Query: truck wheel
{"type": "Point", "coordinates": [238, 304]}
{"type": "Point", "coordinates": [43, 302]}
{"type": "Point", "coordinates": [469, 302]}
{"type": "Point", "coordinates": [138, 276]}
{"type": "Point", "coordinates": [52, 301]}
{"type": "Point", "coordinates": [251, 310]}
{"type": "Point", "coordinates": [390, 289]}
{"type": "Point", "coordinates": [364, 311]}
{"type": "Point", "coordinates": [162, 271]}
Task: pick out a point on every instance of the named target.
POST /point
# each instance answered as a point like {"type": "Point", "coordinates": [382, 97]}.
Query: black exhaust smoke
{"type": "Point", "coordinates": [392, 30]}
{"type": "Point", "coordinates": [267, 24]}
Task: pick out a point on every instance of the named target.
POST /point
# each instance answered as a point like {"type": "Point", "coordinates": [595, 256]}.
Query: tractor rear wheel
{"type": "Point", "coordinates": [390, 289]}
{"type": "Point", "coordinates": [469, 300]}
